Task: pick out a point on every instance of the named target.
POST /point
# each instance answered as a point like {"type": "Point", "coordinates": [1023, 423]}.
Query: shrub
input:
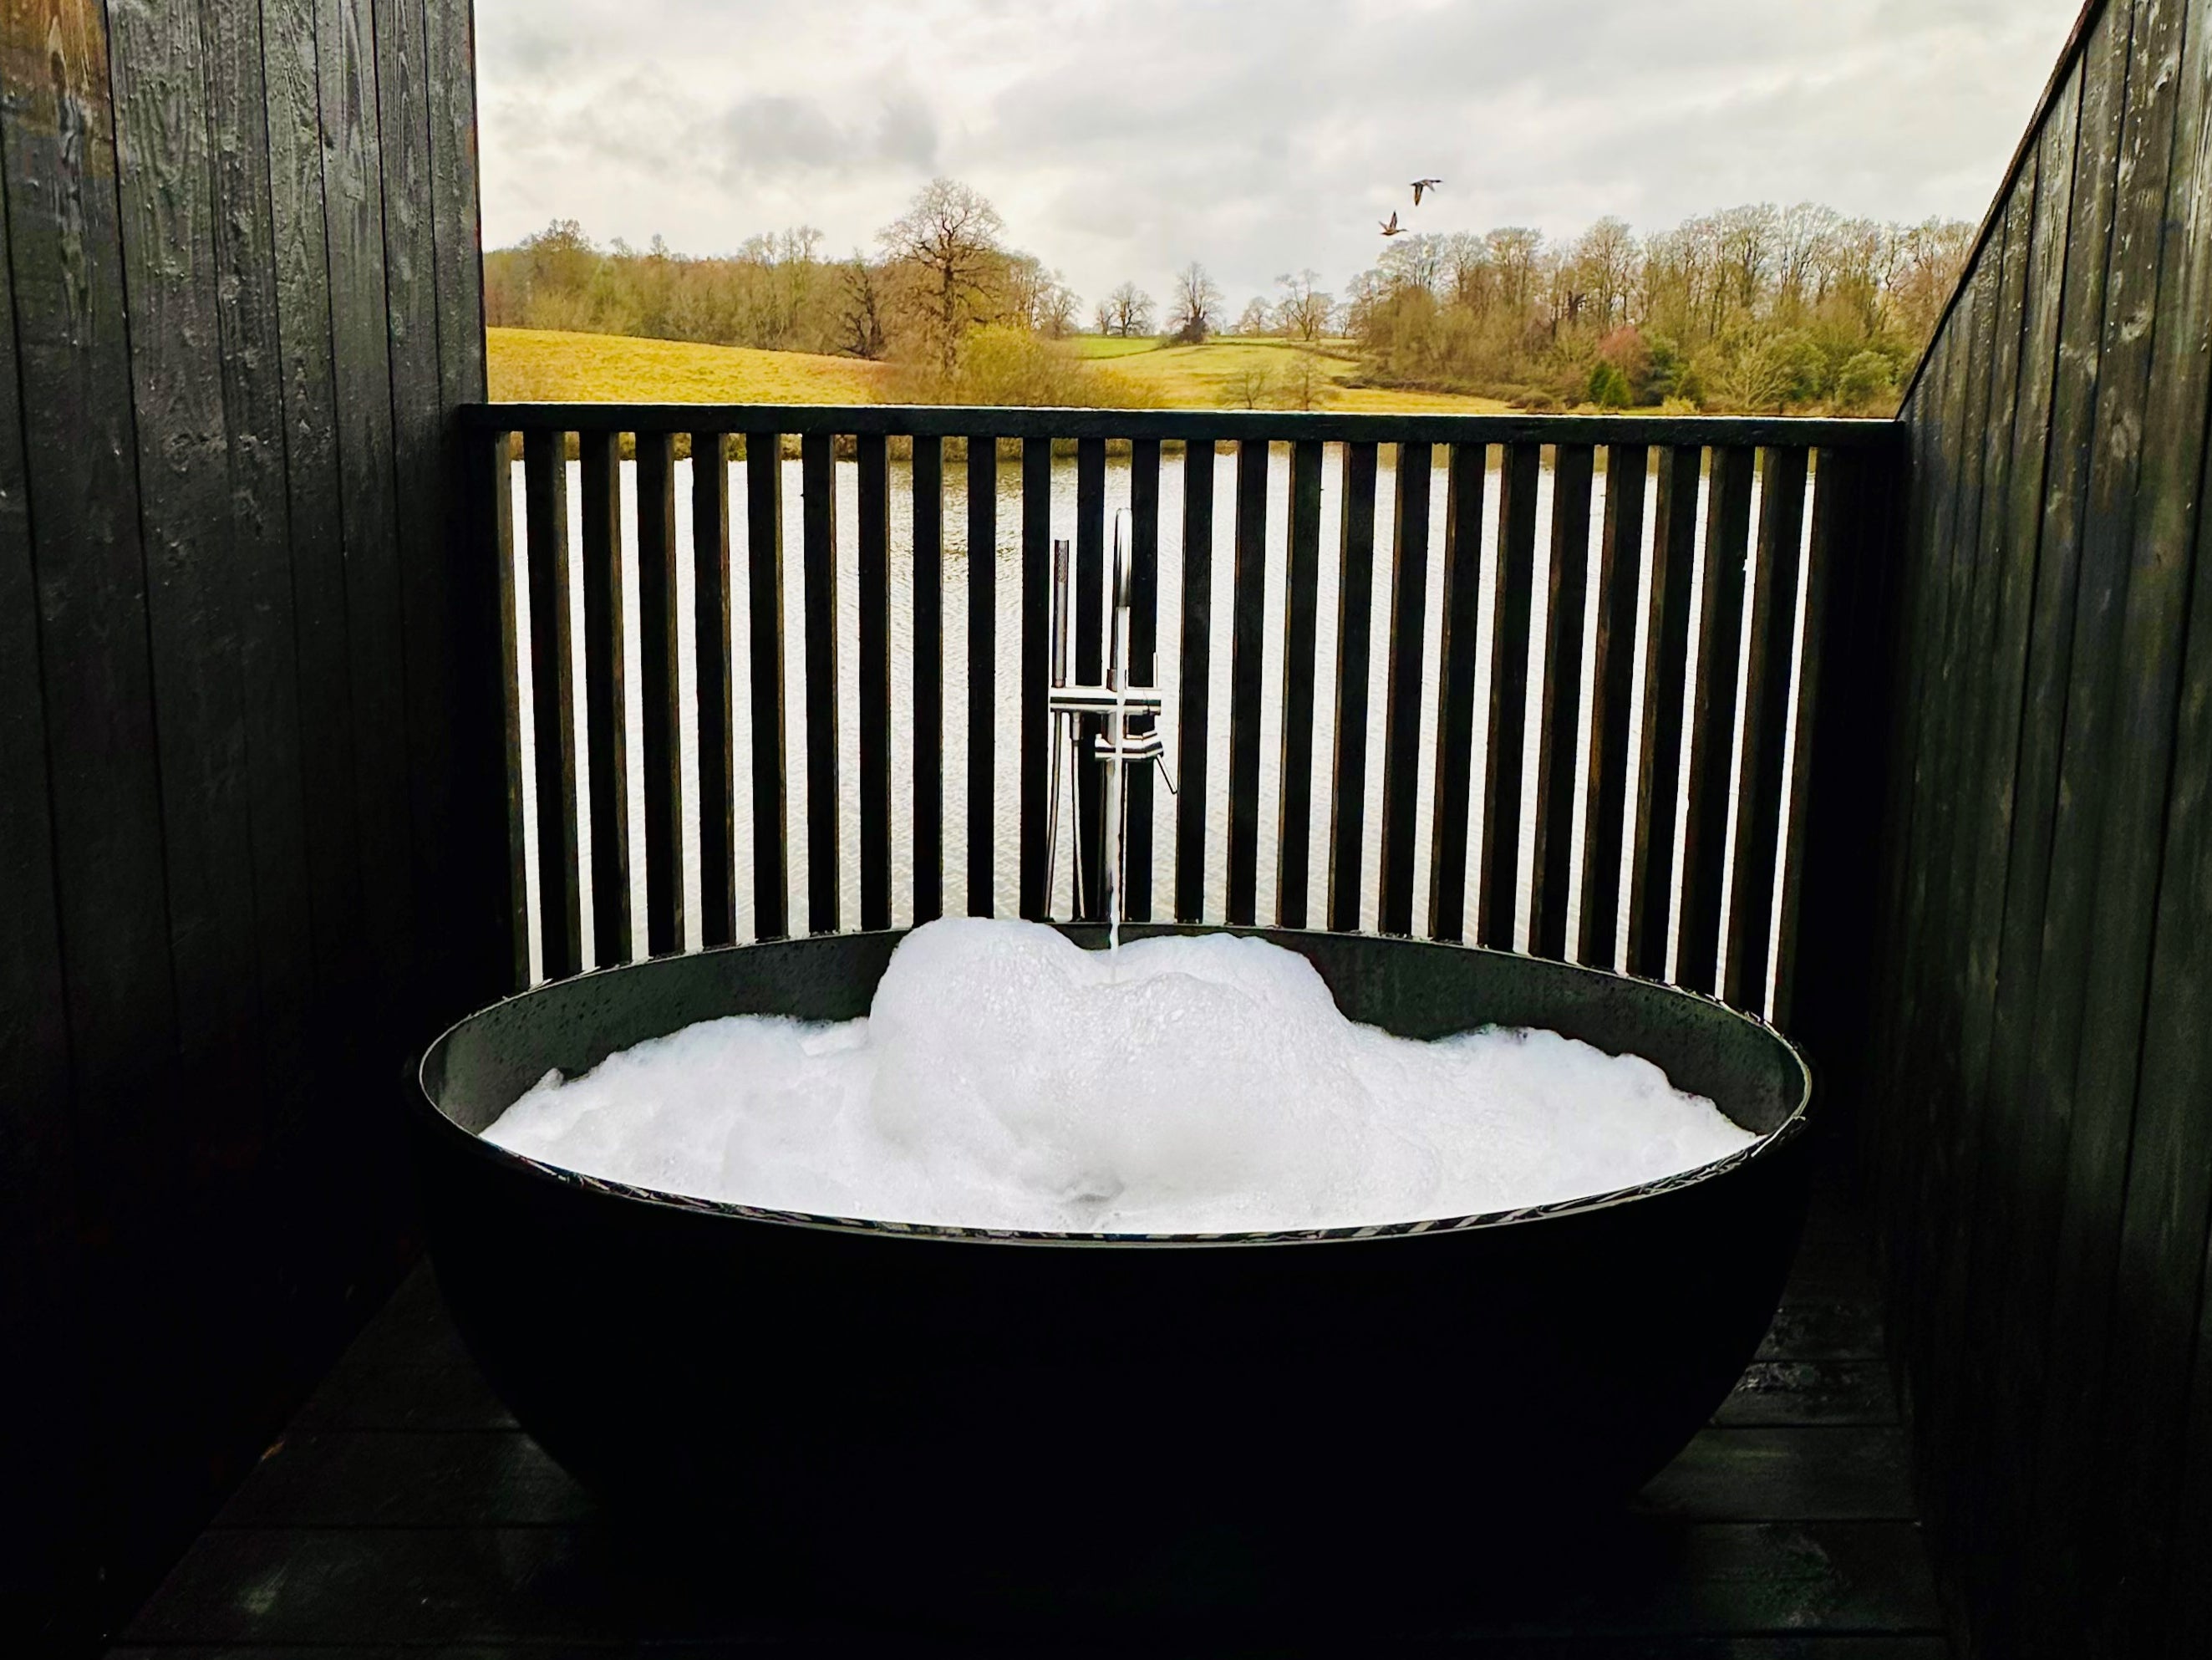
{"type": "Point", "coordinates": [1865, 379]}
{"type": "Point", "coordinates": [1006, 365]}
{"type": "Point", "coordinates": [1608, 387]}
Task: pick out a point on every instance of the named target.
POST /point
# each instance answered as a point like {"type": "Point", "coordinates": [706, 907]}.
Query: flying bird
{"type": "Point", "coordinates": [1392, 228]}
{"type": "Point", "coordinates": [1420, 185]}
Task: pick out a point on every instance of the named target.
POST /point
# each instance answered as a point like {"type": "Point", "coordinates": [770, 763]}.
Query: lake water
{"type": "Point", "coordinates": [1007, 682]}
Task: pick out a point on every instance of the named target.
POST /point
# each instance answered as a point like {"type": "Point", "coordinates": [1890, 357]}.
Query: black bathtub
{"type": "Point", "coordinates": [956, 1423]}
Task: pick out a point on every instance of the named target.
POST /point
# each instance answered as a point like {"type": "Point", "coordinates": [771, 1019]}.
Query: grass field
{"type": "Point", "coordinates": [552, 366]}
{"type": "Point", "coordinates": [1200, 377]}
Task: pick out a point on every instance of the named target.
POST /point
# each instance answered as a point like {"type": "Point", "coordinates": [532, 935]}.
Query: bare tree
{"type": "Point", "coordinates": [1513, 250]}
{"type": "Point", "coordinates": [1606, 255]}
{"type": "Point", "coordinates": [1251, 384]}
{"type": "Point", "coordinates": [1303, 312]}
{"type": "Point", "coordinates": [1127, 312]}
{"type": "Point", "coordinates": [1257, 318]}
{"type": "Point", "coordinates": [864, 315]}
{"type": "Point", "coordinates": [1307, 386]}
{"type": "Point", "coordinates": [953, 234]}
{"type": "Point", "coordinates": [1195, 306]}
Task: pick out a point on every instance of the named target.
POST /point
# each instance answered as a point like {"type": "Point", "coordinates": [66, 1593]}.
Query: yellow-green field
{"type": "Point", "coordinates": [557, 367]}
{"type": "Point", "coordinates": [1203, 377]}
{"type": "Point", "coordinates": [552, 366]}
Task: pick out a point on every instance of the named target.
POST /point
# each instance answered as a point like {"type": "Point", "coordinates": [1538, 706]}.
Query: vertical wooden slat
{"type": "Point", "coordinates": [1355, 626]}
{"type": "Point", "coordinates": [606, 699]}
{"type": "Point", "coordinates": [1089, 596]}
{"type": "Point", "coordinates": [248, 339]}
{"type": "Point", "coordinates": [359, 323]}
{"type": "Point", "coordinates": [1193, 685]}
{"type": "Point", "coordinates": [1301, 626]}
{"type": "Point", "coordinates": [1832, 630]}
{"type": "Point", "coordinates": [818, 469]}
{"type": "Point", "coordinates": [2121, 1141]}
{"type": "Point", "coordinates": [982, 675]}
{"type": "Point", "coordinates": [2089, 153]}
{"type": "Point", "coordinates": [1401, 697]}
{"type": "Point", "coordinates": [1143, 665]}
{"type": "Point", "coordinates": [1767, 724]}
{"type": "Point", "coordinates": [492, 474]}
{"type": "Point", "coordinates": [1037, 675]}
{"type": "Point", "coordinates": [1458, 648]}
{"type": "Point", "coordinates": [872, 571]}
{"type": "Point", "coordinates": [928, 484]}
{"type": "Point", "coordinates": [661, 757]}
{"type": "Point", "coordinates": [1666, 676]}
{"type": "Point", "coordinates": [1509, 697]}
{"type": "Point", "coordinates": [1609, 718]}
{"type": "Point", "coordinates": [764, 632]}
{"type": "Point", "coordinates": [293, 121]}
{"type": "Point", "coordinates": [545, 503]}
{"type": "Point", "coordinates": [164, 194]}
{"type": "Point", "coordinates": [710, 652]}
{"type": "Point", "coordinates": [1559, 713]}
{"type": "Point", "coordinates": [2043, 200]}
{"type": "Point", "coordinates": [1248, 612]}
{"type": "Point", "coordinates": [1713, 706]}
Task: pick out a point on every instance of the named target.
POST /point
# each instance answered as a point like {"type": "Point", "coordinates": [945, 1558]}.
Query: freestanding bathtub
{"type": "Point", "coordinates": [954, 1422]}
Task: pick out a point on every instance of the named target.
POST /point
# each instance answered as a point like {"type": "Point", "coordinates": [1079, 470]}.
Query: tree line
{"type": "Point", "coordinates": [1753, 308]}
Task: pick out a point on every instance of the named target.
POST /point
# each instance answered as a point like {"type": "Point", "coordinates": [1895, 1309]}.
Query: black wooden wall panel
{"type": "Point", "coordinates": [2041, 1124]}
{"type": "Point", "coordinates": [253, 825]}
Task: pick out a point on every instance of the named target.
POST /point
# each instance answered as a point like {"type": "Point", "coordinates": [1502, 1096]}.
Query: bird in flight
{"type": "Point", "coordinates": [1420, 185]}
{"type": "Point", "coordinates": [1392, 228]}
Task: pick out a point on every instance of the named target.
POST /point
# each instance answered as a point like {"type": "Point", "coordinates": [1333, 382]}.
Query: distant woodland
{"type": "Point", "coordinates": [1749, 308]}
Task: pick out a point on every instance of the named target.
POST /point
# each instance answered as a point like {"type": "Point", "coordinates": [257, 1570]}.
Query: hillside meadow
{"type": "Point", "coordinates": [558, 365]}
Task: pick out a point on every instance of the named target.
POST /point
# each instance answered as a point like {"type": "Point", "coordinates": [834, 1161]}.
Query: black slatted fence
{"type": "Point", "coordinates": [1562, 700]}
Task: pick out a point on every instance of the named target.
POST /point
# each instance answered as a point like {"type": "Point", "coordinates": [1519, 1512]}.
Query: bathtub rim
{"type": "Point", "coordinates": [422, 1104]}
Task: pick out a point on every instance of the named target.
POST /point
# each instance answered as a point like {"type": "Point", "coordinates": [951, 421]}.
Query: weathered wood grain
{"type": "Point", "coordinates": [1402, 688]}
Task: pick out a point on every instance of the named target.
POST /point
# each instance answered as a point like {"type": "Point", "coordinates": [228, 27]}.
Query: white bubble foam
{"type": "Point", "coordinates": [1005, 1078]}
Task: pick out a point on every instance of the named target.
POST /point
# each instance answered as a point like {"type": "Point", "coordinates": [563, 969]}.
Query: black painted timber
{"type": "Point", "coordinates": [606, 702]}
{"type": "Point", "coordinates": [1610, 718]}
{"type": "Point", "coordinates": [982, 556]}
{"type": "Point", "coordinates": [1768, 684]}
{"type": "Point", "coordinates": [1248, 627]}
{"type": "Point", "coordinates": [1650, 898]}
{"type": "Point", "coordinates": [1709, 763]}
{"type": "Point", "coordinates": [1193, 686]}
{"type": "Point", "coordinates": [764, 628]}
{"type": "Point", "coordinates": [1558, 710]}
{"type": "Point", "coordinates": [1300, 630]}
{"type": "Point", "coordinates": [1457, 649]}
{"type": "Point", "coordinates": [1230, 426]}
{"type": "Point", "coordinates": [255, 826]}
{"type": "Point", "coordinates": [1092, 619]}
{"type": "Point", "coordinates": [661, 758]}
{"type": "Point", "coordinates": [713, 693]}
{"type": "Point", "coordinates": [928, 485]}
{"type": "Point", "coordinates": [1033, 749]}
{"type": "Point", "coordinates": [1401, 696]}
{"type": "Point", "coordinates": [818, 541]}
{"type": "Point", "coordinates": [1510, 638]}
{"type": "Point", "coordinates": [1144, 666]}
{"type": "Point", "coordinates": [2046, 1187]}
{"type": "Point", "coordinates": [873, 571]}
{"type": "Point", "coordinates": [1355, 609]}
{"type": "Point", "coordinates": [545, 496]}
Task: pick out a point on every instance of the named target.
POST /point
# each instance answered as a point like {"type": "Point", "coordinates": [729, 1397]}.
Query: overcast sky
{"type": "Point", "coordinates": [1258, 136]}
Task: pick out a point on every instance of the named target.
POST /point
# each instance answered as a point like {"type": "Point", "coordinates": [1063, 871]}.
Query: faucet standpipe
{"type": "Point", "coordinates": [1109, 742]}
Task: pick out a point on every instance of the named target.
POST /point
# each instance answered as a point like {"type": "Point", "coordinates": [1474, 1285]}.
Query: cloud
{"type": "Point", "coordinates": [1258, 136]}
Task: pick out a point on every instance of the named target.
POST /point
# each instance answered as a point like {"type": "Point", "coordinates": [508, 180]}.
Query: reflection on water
{"type": "Point", "coordinates": [1006, 683]}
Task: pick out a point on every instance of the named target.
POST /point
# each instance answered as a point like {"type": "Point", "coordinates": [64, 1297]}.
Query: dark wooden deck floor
{"type": "Point", "coordinates": [404, 1509]}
